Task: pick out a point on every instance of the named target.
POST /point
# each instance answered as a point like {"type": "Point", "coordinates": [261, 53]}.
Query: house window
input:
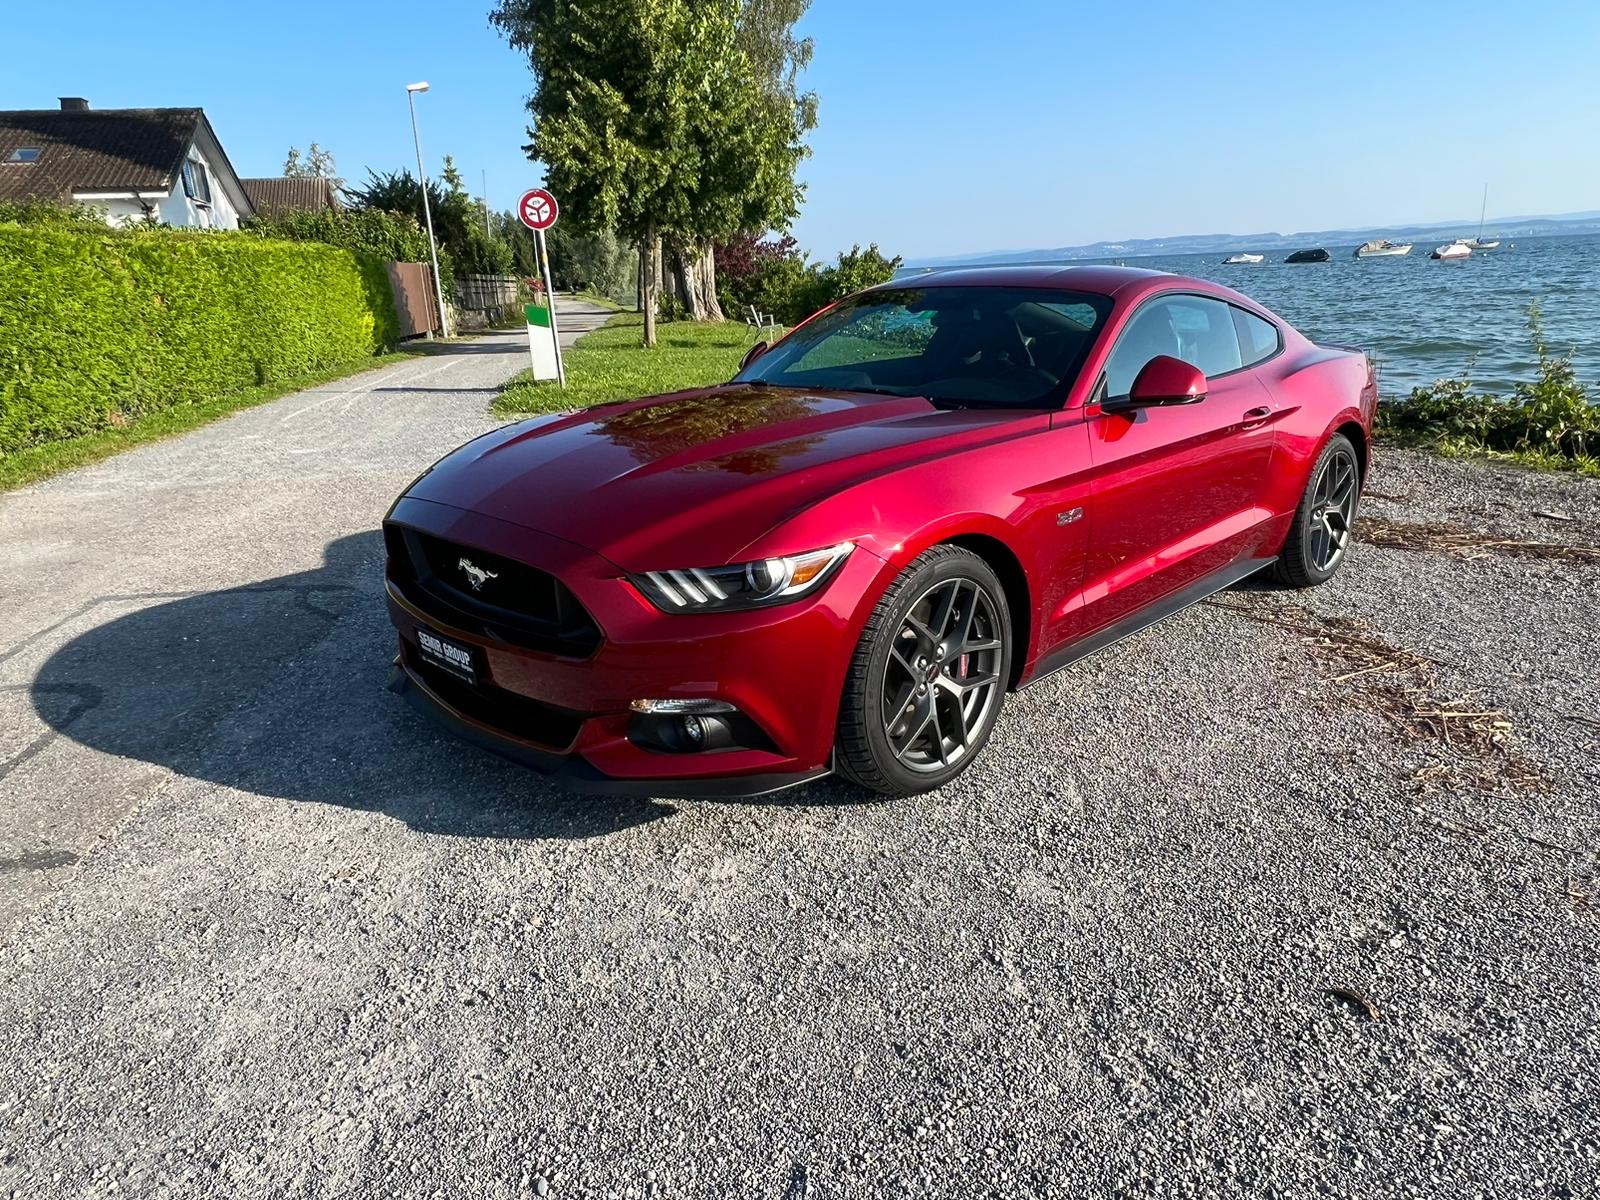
{"type": "Point", "coordinates": [24, 154]}
{"type": "Point", "coordinates": [195, 184]}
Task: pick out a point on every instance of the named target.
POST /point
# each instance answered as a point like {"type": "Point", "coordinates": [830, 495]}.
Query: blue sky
{"type": "Point", "coordinates": [945, 127]}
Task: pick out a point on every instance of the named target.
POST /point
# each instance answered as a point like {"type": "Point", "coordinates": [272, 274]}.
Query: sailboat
{"type": "Point", "coordinates": [1478, 243]}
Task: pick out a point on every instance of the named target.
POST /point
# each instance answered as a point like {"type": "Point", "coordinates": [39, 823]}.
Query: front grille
{"type": "Point", "coordinates": [516, 604]}
{"type": "Point", "coordinates": [519, 716]}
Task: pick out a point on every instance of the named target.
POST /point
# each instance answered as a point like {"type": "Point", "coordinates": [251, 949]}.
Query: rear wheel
{"type": "Point", "coordinates": [928, 678]}
{"type": "Point", "coordinates": [1325, 521]}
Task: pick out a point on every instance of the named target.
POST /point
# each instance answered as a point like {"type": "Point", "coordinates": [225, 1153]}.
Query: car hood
{"type": "Point", "coordinates": [698, 474]}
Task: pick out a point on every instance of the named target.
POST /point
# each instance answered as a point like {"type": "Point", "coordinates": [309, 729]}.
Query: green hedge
{"type": "Point", "coordinates": [97, 329]}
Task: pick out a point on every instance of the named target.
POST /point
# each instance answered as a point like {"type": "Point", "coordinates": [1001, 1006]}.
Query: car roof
{"type": "Point", "coordinates": [1130, 283]}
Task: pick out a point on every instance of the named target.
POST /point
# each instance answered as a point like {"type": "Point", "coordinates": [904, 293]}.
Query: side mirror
{"type": "Point", "coordinates": [1165, 380]}
{"type": "Point", "coordinates": [753, 353]}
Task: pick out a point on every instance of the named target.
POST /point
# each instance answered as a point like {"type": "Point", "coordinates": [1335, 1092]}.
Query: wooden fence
{"type": "Point", "coordinates": [414, 301]}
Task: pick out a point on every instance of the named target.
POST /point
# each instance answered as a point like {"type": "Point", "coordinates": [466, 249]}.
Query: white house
{"type": "Point", "coordinates": [162, 164]}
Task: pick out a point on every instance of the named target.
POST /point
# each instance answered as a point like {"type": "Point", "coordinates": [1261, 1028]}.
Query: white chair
{"type": "Point", "coordinates": [758, 321]}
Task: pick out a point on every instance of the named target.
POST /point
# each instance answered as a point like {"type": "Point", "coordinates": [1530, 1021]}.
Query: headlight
{"type": "Point", "coordinates": [741, 585]}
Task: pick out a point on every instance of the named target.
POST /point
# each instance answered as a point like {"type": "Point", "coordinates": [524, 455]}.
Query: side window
{"type": "Point", "coordinates": [1259, 339]}
{"type": "Point", "coordinates": [1193, 328]}
{"type": "Point", "coordinates": [195, 184]}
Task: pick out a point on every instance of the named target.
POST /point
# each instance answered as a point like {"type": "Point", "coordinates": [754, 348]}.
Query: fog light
{"type": "Point", "coordinates": [693, 727]}
{"type": "Point", "coordinates": [681, 707]}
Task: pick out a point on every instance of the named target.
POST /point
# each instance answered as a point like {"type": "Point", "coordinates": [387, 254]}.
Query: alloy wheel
{"type": "Point", "coordinates": [942, 676]}
{"type": "Point", "coordinates": [1333, 509]}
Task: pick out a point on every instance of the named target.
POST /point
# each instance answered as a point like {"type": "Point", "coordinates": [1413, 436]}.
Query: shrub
{"type": "Point", "coordinates": [855, 269]}
{"type": "Point", "coordinates": [390, 236]}
{"type": "Point", "coordinates": [774, 277]}
{"type": "Point", "coordinates": [97, 329]}
{"type": "Point", "coordinates": [81, 217]}
{"type": "Point", "coordinates": [1548, 418]}
{"type": "Point", "coordinates": [395, 237]}
{"type": "Point", "coordinates": [746, 266]}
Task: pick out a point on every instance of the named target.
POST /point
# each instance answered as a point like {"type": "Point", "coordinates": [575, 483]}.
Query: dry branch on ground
{"type": "Point", "coordinates": [1467, 543]}
{"type": "Point", "coordinates": [1475, 740]}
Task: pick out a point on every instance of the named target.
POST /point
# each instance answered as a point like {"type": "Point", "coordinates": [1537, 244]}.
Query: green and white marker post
{"type": "Point", "coordinates": [542, 341]}
{"type": "Point", "coordinates": [538, 211]}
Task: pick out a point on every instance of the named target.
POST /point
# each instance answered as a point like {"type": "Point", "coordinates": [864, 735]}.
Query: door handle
{"type": "Point", "coordinates": [1256, 417]}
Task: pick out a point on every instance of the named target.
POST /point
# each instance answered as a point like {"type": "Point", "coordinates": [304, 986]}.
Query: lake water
{"type": "Point", "coordinates": [1423, 319]}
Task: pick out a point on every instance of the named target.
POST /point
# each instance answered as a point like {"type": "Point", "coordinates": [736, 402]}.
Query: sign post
{"type": "Point", "coordinates": [538, 211]}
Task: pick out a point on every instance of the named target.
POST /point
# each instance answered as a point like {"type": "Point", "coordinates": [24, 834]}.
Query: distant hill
{"type": "Point", "coordinates": [1228, 243]}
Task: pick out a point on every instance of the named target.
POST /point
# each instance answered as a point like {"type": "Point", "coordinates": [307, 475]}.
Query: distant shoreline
{"type": "Point", "coordinates": [1203, 244]}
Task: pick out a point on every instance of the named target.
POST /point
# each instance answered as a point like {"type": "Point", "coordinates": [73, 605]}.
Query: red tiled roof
{"type": "Point", "coordinates": [284, 194]}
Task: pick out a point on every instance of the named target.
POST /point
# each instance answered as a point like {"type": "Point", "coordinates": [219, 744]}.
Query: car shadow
{"type": "Point", "coordinates": [278, 689]}
{"type": "Point", "coordinates": [478, 343]}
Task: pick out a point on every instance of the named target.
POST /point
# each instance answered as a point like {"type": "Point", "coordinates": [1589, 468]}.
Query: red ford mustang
{"type": "Point", "coordinates": [928, 495]}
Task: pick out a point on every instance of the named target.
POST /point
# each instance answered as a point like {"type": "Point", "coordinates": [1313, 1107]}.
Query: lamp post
{"type": "Point", "coordinates": [427, 211]}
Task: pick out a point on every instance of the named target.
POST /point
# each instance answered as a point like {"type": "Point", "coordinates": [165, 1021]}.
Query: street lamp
{"type": "Point", "coordinates": [427, 211]}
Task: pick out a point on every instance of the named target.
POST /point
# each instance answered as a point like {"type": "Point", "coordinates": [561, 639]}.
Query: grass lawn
{"type": "Point", "coordinates": [36, 462]}
{"type": "Point", "coordinates": [610, 364]}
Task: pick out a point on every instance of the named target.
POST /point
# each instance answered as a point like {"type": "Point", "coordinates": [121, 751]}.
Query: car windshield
{"type": "Point", "coordinates": [967, 347]}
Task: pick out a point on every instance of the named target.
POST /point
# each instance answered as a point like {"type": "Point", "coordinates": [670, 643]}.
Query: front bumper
{"type": "Point", "coordinates": [783, 668]}
{"type": "Point", "coordinates": [575, 774]}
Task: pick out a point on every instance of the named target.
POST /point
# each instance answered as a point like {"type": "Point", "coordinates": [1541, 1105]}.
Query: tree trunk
{"type": "Point", "coordinates": [703, 285]}
{"type": "Point", "coordinates": [650, 251]}
{"type": "Point", "coordinates": [693, 277]}
{"type": "Point", "coordinates": [676, 283]}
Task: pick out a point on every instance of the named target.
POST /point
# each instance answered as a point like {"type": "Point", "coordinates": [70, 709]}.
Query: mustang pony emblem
{"type": "Point", "coordinates": [476, 575]}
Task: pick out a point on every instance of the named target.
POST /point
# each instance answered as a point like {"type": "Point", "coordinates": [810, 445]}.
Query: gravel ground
{"type": "Point", "coordinates": [1212, 916]}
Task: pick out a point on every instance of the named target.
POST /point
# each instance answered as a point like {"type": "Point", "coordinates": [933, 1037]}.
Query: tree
{"type": "Point", "coordinates": [457, 217]}
{"type": "Point", "coordinates": [317, 164]}
{"type": "Point", "coordinates": [596, 261]}
{"type": "Point", "coordinates": [855, 269]}
{"type": "Point", "coordinates": [658, 118]}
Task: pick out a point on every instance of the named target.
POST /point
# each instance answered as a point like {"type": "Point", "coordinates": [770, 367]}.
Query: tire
{"type": "Point", "coordinates": [1324, 523]}
{"type": "Point", "coordinates": [961, 694]}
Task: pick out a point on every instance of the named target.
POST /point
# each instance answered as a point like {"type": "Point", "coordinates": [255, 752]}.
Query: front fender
{"type": "Point", "coordinates": [1022, 500]}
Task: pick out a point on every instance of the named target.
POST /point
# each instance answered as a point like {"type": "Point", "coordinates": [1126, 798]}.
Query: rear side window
{"type": "Point", "coordinates": [1258, 339]}
{"type": "Point", "coordinates": [1197, 330]}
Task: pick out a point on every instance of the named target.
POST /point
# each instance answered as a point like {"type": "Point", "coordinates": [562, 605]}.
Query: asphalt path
{"type": "Point", "coordinates": [1222, 911]}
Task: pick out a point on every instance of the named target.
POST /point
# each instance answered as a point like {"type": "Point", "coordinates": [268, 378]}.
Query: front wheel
{"type": "Point", "coordinates": [1325, 521]}
{"type": "Point", "coordinates": [928, 678]}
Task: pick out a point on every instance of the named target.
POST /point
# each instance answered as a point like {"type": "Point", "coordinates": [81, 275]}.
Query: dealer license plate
{"type": "Point", "coordinates": [446, 654]}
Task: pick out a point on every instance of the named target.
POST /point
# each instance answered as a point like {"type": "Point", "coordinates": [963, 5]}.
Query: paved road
{"type": "Point", "coordinates": [263, 933]}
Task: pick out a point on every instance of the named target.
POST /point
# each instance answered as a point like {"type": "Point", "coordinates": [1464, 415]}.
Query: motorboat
{"type": "Point", "coordinates": [1234, 260]}
{"type": "Point", "coordinates": [1460, 248]}
{"type": "Point", "coordinates": [1382, 248]}
{"type": "Point", "coordinates": [1307, 256]}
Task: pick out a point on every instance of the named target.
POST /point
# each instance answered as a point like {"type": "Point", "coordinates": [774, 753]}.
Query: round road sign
{"type": "Point", "coordinates": [537, 209]}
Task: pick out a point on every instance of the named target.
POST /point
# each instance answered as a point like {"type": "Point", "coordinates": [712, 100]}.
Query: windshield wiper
{"type": "Point", "coordinates": [937, 401]}
{"type": "Point", "coordinates": [870, 390]}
